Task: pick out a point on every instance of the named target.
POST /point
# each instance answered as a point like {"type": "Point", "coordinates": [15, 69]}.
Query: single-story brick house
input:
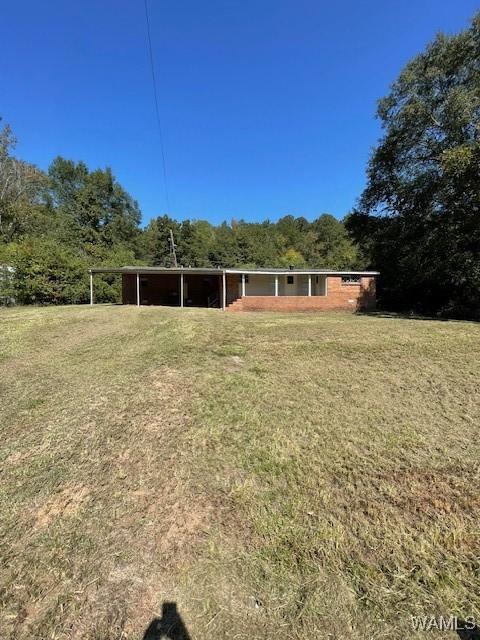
{"type": "Point", "coordinates": [245, 289]}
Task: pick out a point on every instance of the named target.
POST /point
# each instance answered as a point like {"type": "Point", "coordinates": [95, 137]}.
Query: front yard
{"type": "Point", "coordinates": [275, 476]}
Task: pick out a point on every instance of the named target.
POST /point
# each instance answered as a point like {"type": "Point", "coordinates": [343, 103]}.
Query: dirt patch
{"type": "Point", "coordinates": [234, 363]}
{"type": "Point", "coordinates": [64, 504]}
{"type": "Point", "coordinates": [16, 457]}
{"type": "Point", "coordinates": [183, 526]}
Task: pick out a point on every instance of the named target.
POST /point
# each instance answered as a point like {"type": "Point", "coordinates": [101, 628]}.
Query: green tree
{"type": "Point", "coordinates": [327, 245]}
{"type": "Point", "coordinates": [46, 273]}
{"type": "Point", "coordinates": [155, 241]}
{"type": "Point", "coordinates": [96, 207]}
{"type": "Point", "coordinates": [259, 244]}
{"type": "Point", "coordinates": [293, 230]}
{"type": "Point", "coordinates": [21, 185]}
{"type": "Point", "coordinates": [196, 243]}
{"type": "Point", "coordinates": [419, 217]}
{"type": "Point", "coordinates": [225, 252]}
{"type": "Point", "coordinates": [292, 258]}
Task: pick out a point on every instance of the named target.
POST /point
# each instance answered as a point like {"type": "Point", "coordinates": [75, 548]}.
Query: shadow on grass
{"type": "Point", "coordinates": [468, 631]}
{"type": "Point", "coordinates": [395, 315]}
{"type": "Point", "coordinates": [169, 627]}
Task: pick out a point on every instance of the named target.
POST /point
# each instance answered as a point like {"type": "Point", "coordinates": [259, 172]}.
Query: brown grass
{"type": "Point", "coordinates": [277, 476]}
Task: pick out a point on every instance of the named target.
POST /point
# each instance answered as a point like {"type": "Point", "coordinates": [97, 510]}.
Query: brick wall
{"type": "Point", "coordinates": [351, 297]}
{"type": "Point", "coordinates": [358, 296]}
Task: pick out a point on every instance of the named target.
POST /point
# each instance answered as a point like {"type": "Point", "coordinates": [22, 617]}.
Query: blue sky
{"type": "Point", "coordinates": [267, 105]}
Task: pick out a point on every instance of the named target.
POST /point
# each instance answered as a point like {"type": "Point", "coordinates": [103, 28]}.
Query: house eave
{"type": "Point", "coordinates": [218, 271]}
{"type": "Point", "coordinates": [300, 272]}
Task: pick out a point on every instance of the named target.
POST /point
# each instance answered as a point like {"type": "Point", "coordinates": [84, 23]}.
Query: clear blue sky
{"type": "Point", "coordinates": [267, 105]}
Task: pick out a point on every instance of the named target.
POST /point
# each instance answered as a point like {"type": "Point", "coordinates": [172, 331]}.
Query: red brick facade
{"type": "Point", "coordinates": [351, 297]}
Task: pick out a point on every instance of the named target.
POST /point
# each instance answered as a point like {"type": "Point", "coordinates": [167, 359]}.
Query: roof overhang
{"type": "Point", "coordinates": [304, 272]}
{"type": "Point", "coordinates": [146, 270]}
{"type": "Point", "coordinates": [212, 271]}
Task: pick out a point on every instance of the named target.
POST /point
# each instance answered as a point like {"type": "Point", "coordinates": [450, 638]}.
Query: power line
{"type": "Point", "coordinates": [157, 110]}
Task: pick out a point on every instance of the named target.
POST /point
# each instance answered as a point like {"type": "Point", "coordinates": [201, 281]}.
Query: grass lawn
{"type": "Point", "coordinates": [276, 476]}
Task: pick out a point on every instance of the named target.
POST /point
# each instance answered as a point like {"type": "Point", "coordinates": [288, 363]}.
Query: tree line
{"type": "Point", "coordinates": [417, 221]}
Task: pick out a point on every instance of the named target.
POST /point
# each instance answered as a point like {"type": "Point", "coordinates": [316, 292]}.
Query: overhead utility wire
{"type": "Point", "coordinates": [157, 110]}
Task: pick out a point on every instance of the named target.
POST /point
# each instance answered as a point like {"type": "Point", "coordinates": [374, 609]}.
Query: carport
{"type": "Point", "coordinates": [182, 287]}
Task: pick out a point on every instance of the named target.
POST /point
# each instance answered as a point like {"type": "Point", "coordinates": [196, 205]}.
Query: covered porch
{"type": "Point", "coordinates": [281, 284]}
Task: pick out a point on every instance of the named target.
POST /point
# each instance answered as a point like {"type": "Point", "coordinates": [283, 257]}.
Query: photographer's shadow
{"type": "Point", "coordinates": [169, 627]}
{"type": "Point", "coordinates": [468, 631]}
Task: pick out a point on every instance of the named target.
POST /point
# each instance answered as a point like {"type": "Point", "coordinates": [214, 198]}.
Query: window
{"type": "Point", "coordinates": [289, 279]}
{"type": "Point", "coordinates": [245, 276]}
{"type": "Point", "coordinates": [144, 282]}
{"type": "Point", "coordinates": [350, 279]}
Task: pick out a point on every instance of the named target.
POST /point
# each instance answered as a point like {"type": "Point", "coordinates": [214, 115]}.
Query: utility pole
{"type": "Point", "coordinates": [173, 248]}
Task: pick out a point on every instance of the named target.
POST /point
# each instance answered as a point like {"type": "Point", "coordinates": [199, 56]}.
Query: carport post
{"type": "Point", "coordinates": [276, 286]}
{"type": "Point", "coordinates": [181, 289]}
{"type": "Point", "coordinates": [309, 284]}
{"type": "Point", "coordinates": [91, 287]}
{"type": "Point", "coordinates": [138, 289]}
{"type": "Point", "coordinates": [224, 291]}
{"type": "Point", "coordinates": [243, 285]}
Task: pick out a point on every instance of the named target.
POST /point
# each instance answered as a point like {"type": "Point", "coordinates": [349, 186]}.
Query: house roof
{"type": "Point", "coordinates": [329, 272]}
{"type": "Point", "coordinates": [211, 270]}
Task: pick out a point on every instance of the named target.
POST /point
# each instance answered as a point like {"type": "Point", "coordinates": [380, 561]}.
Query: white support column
{"type": "Point", "coordinates": [91, 287]}
{"type": "Point", "coordinates": [276, 286]}
{"type": "Point", "coordinates": [138, 289]}
{"type": "Point", "coordinates": [326, 285]}
{"type": "Point", "coordinates": [243, 285]}
{"type": "Point", "coordinates": [309, 284]}
{"type": "Point", "coordinates": [181, 289]}
{"type": "Point", "coordinates": [224, 291]}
